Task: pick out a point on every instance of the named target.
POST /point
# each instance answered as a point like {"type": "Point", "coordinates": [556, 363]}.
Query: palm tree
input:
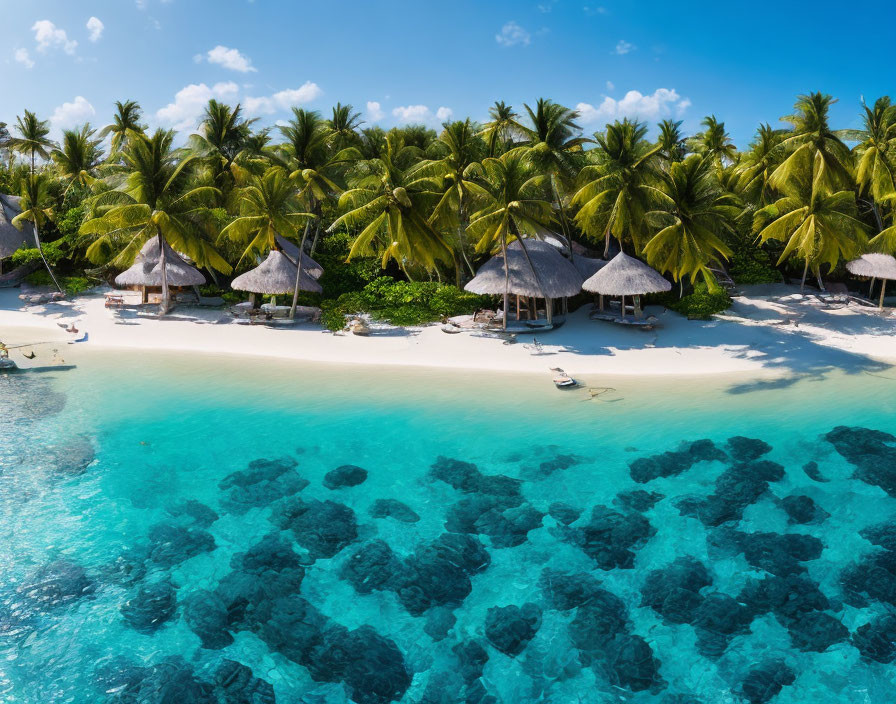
{"type": "Point", "coordinates": [757, 165]}
{"type": "Point", "coordinates": [33, 140]}
{"type": "Point", "coordinates": [516, 202]}
{"type": "Point", "coordinates": [811, 135]}
{"type": "Point", "coordinates": [876, 152]}
{"type": "Point", "coordinates": [456, 171]}
{"type": "Point", "coordinates": [818, 226]}
{"type": "Point", "coordinates": [498, 132]}
{"type": "Point", "coordinates": [36, 209]}
{"type": "Point", "coordinates": [671, 141]}
{"type": "Point", "coordinates": [615, 192]}
{"type": "Point", "coordinates": [269, 206]}
{"type": "Point", "coordinates": [693, 212]}
{"type": "Point", "coordinates": [156, 200]}
{"type": "Point", "coordinates": [222, 138]}
{"type": "Point", "coordinates": [554, 146]}
{"type": "Point", "coordinates": [344, 125]}
{"type": "Point", "coordinates": [714, 142]}
{"type": "Point", "coordinates": [126, 120]}
{"type": "Point", "coordinates": [392, 204]}
{"type": "Point", "coordinates": [79, 155]}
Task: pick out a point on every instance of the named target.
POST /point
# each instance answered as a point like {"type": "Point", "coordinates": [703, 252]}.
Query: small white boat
{"type": "Point", "coordinates": [564, 380]}
{"type": "Point", "coordinates": [7, 365]}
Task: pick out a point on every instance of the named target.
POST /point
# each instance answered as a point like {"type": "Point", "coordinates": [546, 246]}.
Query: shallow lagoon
{"type": "Point", "coordinates": [115, 573]}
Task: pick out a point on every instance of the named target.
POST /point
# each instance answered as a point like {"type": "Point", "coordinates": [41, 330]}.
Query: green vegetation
{"type": "Point", "coordinates": [393, 216]}
{"type": "Point", "coordinates": [701, 304]}
{"type": "Point", "coordinates": [401, 303]}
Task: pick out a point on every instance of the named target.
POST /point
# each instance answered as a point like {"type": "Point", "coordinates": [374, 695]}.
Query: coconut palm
{"type": "Point", "coordinates": [344, 125]}
{"type": "Point", "coordinates": [269, 206]}
{"type": "Point", "coordinates": [37, 209]}
{"type": "Point", "coordinates": [456, 171]}
{"type": "Point", "coordinates": [78, 156]}
{"type": "Point", "coordinates": [714, 142]}
{"type": "Point", "coordinates": [222, 138]}
{"type": "Point", "coordinates": [812, 136]}
{"type": "Point", "coordinates": [818, 226]}
{"type": "Point", "coordinates": [498, 132]}
{"type": "Point", "coordinates": [757, 165]}
{"type": "Point", "coordinates": [615, 191]}
{"type": "Point", "coordinates": [516, 203]}
{"type": "Point", "coordinates": [671, 141]}
{"type": "Point", "coordinates": [126, 120]}
{"type": "Point", "coordinates": [876, 152]}
{"type": "Point", "coordinates": [391, 206]}
{"type": "Point", "coordinates": [692, 213]}
{"type": "Point", "coordinates": [33, 140]}
{"type": "Point", "coordinates": [156, 199]}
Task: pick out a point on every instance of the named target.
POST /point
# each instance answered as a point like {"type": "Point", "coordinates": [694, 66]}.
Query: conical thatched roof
{"type": "Point", "coordinates": [147, 268]}
{"type": "Point", "coordinates": [292, 251]}
{"type": "Point", "coordinates": [626, 276]}
{"type": "Point", "coordinates": [878, 266]}
{"type": "Point", "coordinates": [11, 238]}
{"type": "Point", "coordinates": [557, 277]}
{"type": "Point", "coordinates": [274, 276]}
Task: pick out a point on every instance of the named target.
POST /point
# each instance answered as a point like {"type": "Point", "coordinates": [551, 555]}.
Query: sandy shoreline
{"type": "Point", "coordinates": [768, 332]}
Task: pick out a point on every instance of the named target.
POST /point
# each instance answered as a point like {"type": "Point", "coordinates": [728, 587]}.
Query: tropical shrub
{"type": "Point", "coordinates": [73, 285]}
{"type": "Point", "coordinates": [701, 304]}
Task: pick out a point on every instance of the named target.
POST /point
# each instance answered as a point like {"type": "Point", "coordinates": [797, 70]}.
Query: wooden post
{"type": "Point", "coordinates": [637, 306]}
{"type": "Point", "coordinates": [883, 288]}
{"type": "Point", "coordinates": [273, 301]}
{"type": "Point", "coordinates": [252, 300]}
{"type": "Point", "coordinates": [549, 309]}
{"type": "Point", "coordinates": [622, 307]}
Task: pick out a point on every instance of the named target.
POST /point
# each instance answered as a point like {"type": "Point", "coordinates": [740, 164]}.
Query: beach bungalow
{"type": "Point", "coordinates": [291, 250]}
{"type": "Point", "coordinates": [875, 266]}
{"type": "Point", "coordinates": [535, 284]}
{"type": "Point", "coordinates": [625, 277]}
{"type": "Point", "coordinates": [13, 239]}
{"type": "Point", "coordinates": [145, 275]}
{"type": "Point", "coordinates": [275, 276]}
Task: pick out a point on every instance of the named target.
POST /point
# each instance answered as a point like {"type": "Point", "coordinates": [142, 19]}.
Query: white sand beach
{"type": "Point", "coordinates": [772, 331]}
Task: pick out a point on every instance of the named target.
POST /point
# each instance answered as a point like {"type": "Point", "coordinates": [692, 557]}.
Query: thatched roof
{"type": "Point", "coordinates": [11, 238]}
{"type": "Point", "coordinates": [556, 276]}
{"type": "Point", "coordinates": [878, 266]}
{"type": "Point", "coordinates": [291, 250]}
{"type": "Point", "coordinates": [587, 266]}
{"type": "Point", "coordinates": [274, 276]}
{"type": "Point", "coordinates": [147, 268]}
{"type": "Point", "coordinates": [626, 276]}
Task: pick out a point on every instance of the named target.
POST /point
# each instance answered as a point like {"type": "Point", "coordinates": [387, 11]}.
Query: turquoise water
{"type": "Point", "coordinates": [129, 504]}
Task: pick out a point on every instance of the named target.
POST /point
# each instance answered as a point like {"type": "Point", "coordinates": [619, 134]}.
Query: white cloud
{"type": "Point", "coordinates": [95, 26]}
{"type": "Point", "coordinates": [190, 101]}
{"type": "Point", "coordinates": [661, 103]}
{"type": "Point", "coordinates": [231, 59]}
{"type": "Point", "coordinates": [406, 114]}
{"type": "Point", "coordinates": [374, 111]}
{"type": "Point", "coordinates": [48, 35]}
{"type": "Point", "coordinates": [444, 114]}
{"type": "Point", "coordinates": [611, 86]}
{"type": "Point", "coordinates": [23, 57]}
{"type": "Point", "coordinates": [623, 47]}
{"type": "Point", "coordinates": [512, 34]}
{"type": "Point", "coordinates": [284, 99]}
{"type": "Point", "coordinates": [70, 114]}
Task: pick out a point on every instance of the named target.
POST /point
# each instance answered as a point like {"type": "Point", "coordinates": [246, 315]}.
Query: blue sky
{"type": "Point", "coordinates": [398, 61]}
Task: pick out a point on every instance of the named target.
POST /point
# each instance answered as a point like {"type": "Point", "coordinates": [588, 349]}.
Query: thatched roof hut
{"type": "Point", "coordinates": [274, 276]}
{"type": "Point", "coordinates": [626, 276]}
{"type": "Point", "coordinates": [587, 266]}
{"type": "Point", "coordinates": [876, 266]}
{"type": "Point", "coordinates": [11, 238]}
{"type": "Point", "coordinates": [291, 250]}
{"type": "Point", "coordinates": [551, 275]}
{"type": "Point", "coordinates": [147, 268]}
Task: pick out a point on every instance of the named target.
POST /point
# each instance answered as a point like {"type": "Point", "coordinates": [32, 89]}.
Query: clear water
{"type": "Point", "coordinates": [166, 430]}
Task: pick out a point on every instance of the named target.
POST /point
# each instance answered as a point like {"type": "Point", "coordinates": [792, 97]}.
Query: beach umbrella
{"type": "Point", "coordinates": [11, 238]}
{"type": "Point", "coordinates": [550, 275]}
{"type": "Point", "coordinates": [626, 276]}
{"type": "Point", "coordinates": [876, 266]}
{"type": "Point", "coordinates": [274, 276]}
{"type": "Point", "coordinates": [147, 268]}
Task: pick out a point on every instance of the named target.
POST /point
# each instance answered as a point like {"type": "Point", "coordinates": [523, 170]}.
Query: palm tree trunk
{"type": "Point", "coordinates": [40, 249]}
{"type": "Point", "coordinates": [563, 223]}
{"type": "Point", "coordinates": [506, 279]}
{"type": "Point", "coordinates": [805, 273]}
{"type": "Point", "coordinates": [818, 278]}
{"type": "Point", "coordinates": [163, 260]}
{"type": "Point", "coordinates": [295, 293]}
